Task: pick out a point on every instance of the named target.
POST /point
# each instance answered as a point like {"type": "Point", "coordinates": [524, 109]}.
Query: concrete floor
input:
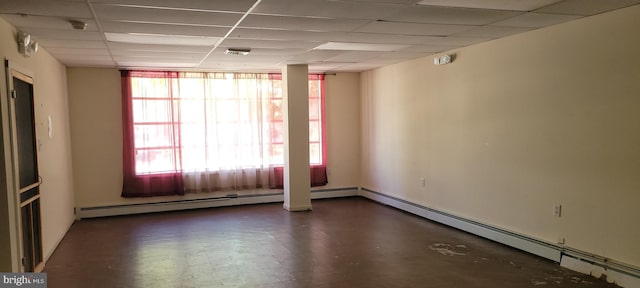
{"type": "Point", "coordinates": [350, 242]}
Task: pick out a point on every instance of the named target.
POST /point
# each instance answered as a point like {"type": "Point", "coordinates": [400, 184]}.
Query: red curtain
{"type": "Point", "coordinates": [142, 185]}
{"type": "Point", "coordinates": [172, 182]}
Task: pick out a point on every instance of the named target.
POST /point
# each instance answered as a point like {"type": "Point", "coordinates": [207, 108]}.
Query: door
{"type": "Point", "coordinates": [26, 166]}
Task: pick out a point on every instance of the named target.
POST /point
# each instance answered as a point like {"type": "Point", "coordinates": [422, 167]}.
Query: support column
{"type": "Point", "coordinates": [297, 187]}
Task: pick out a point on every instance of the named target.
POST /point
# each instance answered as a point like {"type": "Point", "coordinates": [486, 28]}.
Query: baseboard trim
{"type": "Point", "coordinates": [622, 274]}
{"type": "Point", "coordinates": [230, 200]}
{"type": "Point", "coordinates": [533, 246]}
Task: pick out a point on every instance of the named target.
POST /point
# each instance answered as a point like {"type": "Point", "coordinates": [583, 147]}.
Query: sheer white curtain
{"type": "Point", "coordinates": [230, 130]}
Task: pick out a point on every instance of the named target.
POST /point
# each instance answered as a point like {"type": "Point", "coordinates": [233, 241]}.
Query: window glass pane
{"type": "Point", "coordinates": [151, 110]}
{"type": "Point", "coordinates": [277, 132]}
{"type": "Point", "coordinates": [314, 109]}
{"type": "Point", "coordinates": [315, 153]}
{"type": "Point", "coordinates": [314, 131]}
{"type": "Point", "coordinates": [150, 87]}
{"type": "Point", "coordinates": [154, 161]}
{"type": "Point", "coordinates": [277, 154]}
{"type": "Point", "coordinates": [150, 136]}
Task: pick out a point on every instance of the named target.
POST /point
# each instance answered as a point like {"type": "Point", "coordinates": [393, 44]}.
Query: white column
{"type": "Point", "coordinates": [297, 187]}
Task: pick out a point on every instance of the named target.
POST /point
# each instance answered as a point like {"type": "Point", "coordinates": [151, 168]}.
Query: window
{"type": "Point", "coordinates": [207, 125]}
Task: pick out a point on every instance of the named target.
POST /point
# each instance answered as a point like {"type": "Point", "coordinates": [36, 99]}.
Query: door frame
{"type": "Point", "coordinates": [9, 158]}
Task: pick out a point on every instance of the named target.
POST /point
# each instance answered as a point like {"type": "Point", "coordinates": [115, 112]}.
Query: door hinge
{"type": "Point", "coordinates": [14, 94]}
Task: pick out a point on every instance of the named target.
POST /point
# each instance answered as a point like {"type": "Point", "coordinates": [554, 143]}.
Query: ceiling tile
{"type": "Point", "coordinates": [77, 51]}
{"type": "Point", "coordinates": [348, 46]}
{"type": "Point", "coordinates": [161, 39]}
{"type": "Point", "coordinates": [323, 8]}
{"type": "Point", "coordinates": [272, 44]}
{"type": "Point", "coordinates": [49, 22]}
{"type": "Point", "coordinates": [212, 5]}
{"type": "Point", "coordinates": [115, 13]}
{"type": "Point", "coordinates": [519, 5]}
{"type": "Point", "coordinates": [44, 33]}
{"type": "Point", "coordinates": [158, 48]}
{"type": "Point", "coordinates": [448, 15]}
{"type": "Point", "coordinates": [46, 8]}
{"type": "Point", "coordinates": [427, 48]}
{"type": "Point", "coordinates": [79, 44]}
{"type": "Point", "coordinates": [171, 29]}
{"type": "Point", "coordinates": [301, 23]}
{"type": "Point", "coordinates": [586, 7]}
{"type": "Point", "coordinates": [311, 56]}
{"type": "Point", "coordinates": [493, 31]}
{"type": "Point", "coordinates": [413, 28]}
{"type": "Point", "coordinates": [536, 20]}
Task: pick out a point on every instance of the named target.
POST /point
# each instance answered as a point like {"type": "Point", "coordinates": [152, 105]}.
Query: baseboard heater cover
{"type": "Point", "coordinates": [228, 200]}
{"type": "Point", "coordinates": [620, 273]}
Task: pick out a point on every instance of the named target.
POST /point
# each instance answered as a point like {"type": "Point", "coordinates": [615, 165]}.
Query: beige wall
{"type": "Point", "coordinates": [515, 126]}
{"type": "Point", "coordinates": [96, 125]}
{"type": "Point", "coordinates": [54, 161]}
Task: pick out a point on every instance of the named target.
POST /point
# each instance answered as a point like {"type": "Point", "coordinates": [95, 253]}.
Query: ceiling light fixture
{"type": "Point", "coordinates": [237, 51]}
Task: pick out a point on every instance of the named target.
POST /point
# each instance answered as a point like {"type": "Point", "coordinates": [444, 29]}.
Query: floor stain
{"type": "Point", "coordinates": [445, 249]}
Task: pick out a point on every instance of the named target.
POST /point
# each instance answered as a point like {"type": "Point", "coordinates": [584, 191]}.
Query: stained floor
{"type": "Point", "coordinates": [349, 242]}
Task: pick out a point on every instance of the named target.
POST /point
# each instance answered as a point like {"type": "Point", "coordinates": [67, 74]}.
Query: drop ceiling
{"type": "Point", "coordinates": [328, 35]}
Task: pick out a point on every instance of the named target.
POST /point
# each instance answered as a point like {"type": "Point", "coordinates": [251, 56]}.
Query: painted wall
{"type": "Point", "coordinates": [515, 126]}
{"type": "Point", "coordinates": [50, 90]}
{"type": "Point", "coordinates": [96, 124]}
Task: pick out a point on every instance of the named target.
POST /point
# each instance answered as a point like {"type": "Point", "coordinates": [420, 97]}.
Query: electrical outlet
{"type": "Point", "coordinates": [557, 210]}
{"type": "Point", "coordinates": [423, 182]}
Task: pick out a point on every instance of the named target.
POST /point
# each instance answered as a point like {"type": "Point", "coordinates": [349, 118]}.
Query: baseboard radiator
{"type": "Point", "coordinates": [229, 200]}
{"type": "Point", "coordinates": [622, 274]}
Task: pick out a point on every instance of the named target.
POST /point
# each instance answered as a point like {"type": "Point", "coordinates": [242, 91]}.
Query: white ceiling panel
{"type": "Point", "coordinates": [212, 5]}
{"type": "Point", "coordinates": [363, 56]}
{"type": "Point", "coordinates": [46, 8]}
{"type": "Point", "coordinates": [492, 31]}
{"type": "Point", "coordinates": [449, 15]}
{"type": "Point", "coordinates": [191, 30]}
{"type": "Point", "coordinates": [158, 48]}
{"type": "Point", "coordinates": [347, 46]}
{"type": "Point", "coordinates": [404, 2]}
{"type": "Point", "coordinates": [427, 48]}
{"type": "Point", "coordinates": [271, 44]}
{"type": "Point", "coordinates": [119, 54]}
{"type": "Point", "coordinates": [58, 51]}
{"type": "Point", "coordinates": [285, 35]}
{"type": "Point", "coordinates": [514, 5]}
{"type": "Point", "coordinates": [114, 13]}
{"type": "Point", "coordinates": [536, 20]}
{"type": "Point", "coordinates": [46, 33]}
{"type": "Point", "coordinates": [32, 21]}
{"type": "Point", "coordinates": [586, 7]}
{"type": "Point", "coordinates": [278, 31]}
{"type": "Point", "coordinates": [83, 58]}
{"type": "Point", "coordinates": [79, 44]}
{"type": "Point", "coordinates": [301, 23]}
{"type": "Point", "coordinates": [311, 56]}
{"type": "Point", "coordinates": [413, 28]}
{"type": "Point", "coordinates": [327, 9]}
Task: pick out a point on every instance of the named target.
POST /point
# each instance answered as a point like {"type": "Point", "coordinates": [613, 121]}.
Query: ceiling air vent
{"type": "Point", "coordinates": [237, 51]}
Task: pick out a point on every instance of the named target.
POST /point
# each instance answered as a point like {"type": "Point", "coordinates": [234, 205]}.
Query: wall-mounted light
{"type": "Point", "coordinates": [26, 45]}
{"type": "Point", "coordinates": [445, 59]}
